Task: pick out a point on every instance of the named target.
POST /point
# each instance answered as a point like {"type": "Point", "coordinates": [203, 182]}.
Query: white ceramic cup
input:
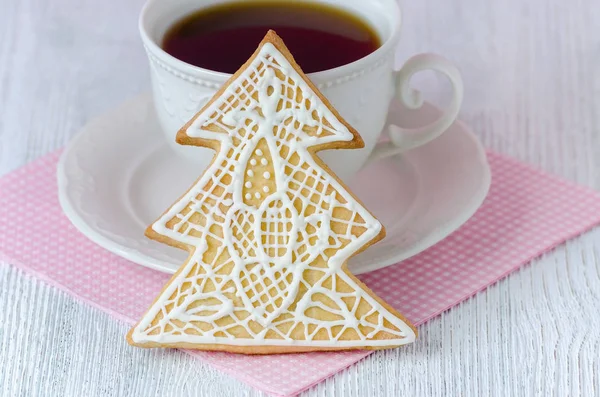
{"type": "Point", "coordinates": [361, 91]}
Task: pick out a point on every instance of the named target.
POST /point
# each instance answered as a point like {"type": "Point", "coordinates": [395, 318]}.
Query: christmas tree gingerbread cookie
{"type": "Point", "coordinates": [269, 228]}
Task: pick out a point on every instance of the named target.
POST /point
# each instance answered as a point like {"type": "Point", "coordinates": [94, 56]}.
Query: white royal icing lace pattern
{"type": "Point", "coordinates": [271, 229]}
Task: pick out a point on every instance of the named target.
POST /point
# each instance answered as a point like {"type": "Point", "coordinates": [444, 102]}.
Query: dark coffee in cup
{"type": "Point", "coordinates": [223, 37]}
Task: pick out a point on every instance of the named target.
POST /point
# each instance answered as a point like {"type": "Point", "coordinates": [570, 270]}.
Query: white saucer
{"type": "Point", "coordinates": [118, 175]}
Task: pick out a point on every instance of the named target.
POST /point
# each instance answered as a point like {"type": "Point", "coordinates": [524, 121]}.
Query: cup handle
{"type": "Point", "coordinates": [403, 139]}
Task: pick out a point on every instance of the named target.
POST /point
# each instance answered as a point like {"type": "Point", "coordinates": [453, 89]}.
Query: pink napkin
{"type": "Point", "coordinates": [526, 213]}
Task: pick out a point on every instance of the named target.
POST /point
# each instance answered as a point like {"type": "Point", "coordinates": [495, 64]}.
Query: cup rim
{"type": "Point", "coordinates": [319, 76]}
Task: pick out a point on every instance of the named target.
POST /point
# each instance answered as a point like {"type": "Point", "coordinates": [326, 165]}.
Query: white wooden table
{"type": "Point", "coordinates": [532, 74]}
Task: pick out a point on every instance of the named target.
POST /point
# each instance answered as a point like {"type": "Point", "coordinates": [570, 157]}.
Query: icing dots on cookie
{"type": "Point", "coordinates": [258, 173]}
